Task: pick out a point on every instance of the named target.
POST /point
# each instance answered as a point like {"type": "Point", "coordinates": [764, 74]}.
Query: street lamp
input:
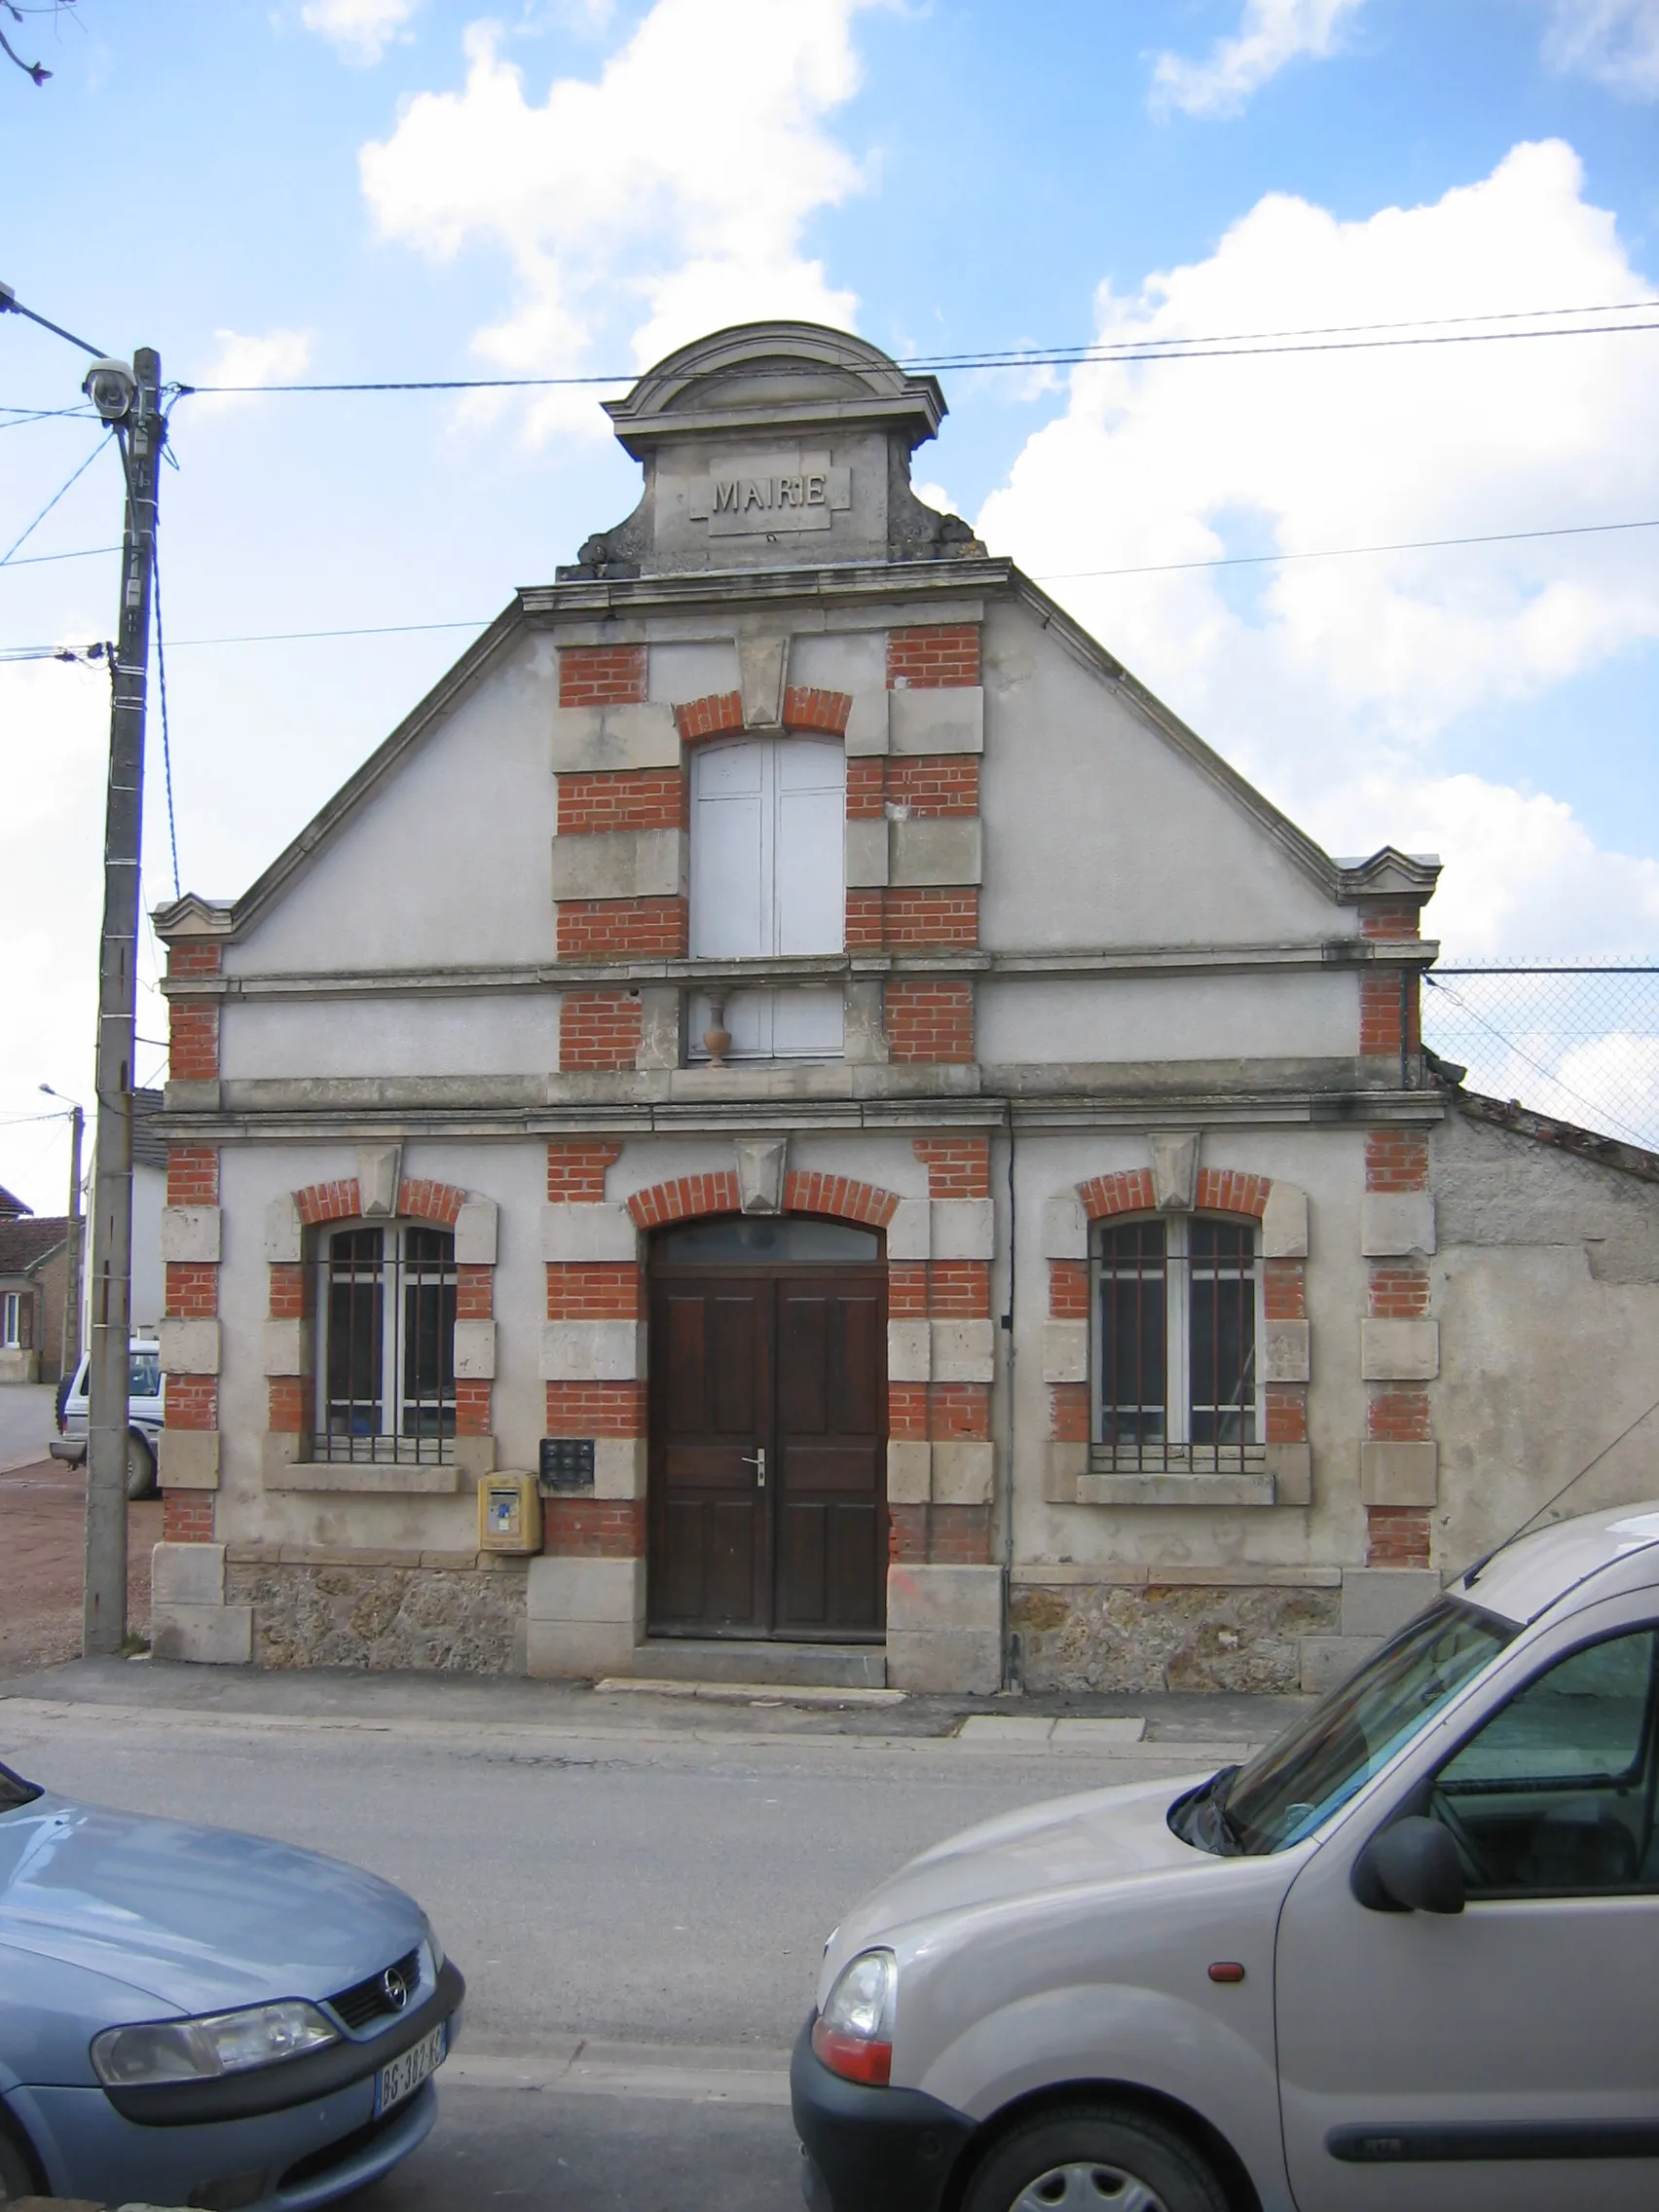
{"type": "Point", "coordinates": [70, 1359]}
{"type": "Point", "coordinates": [129, 398]}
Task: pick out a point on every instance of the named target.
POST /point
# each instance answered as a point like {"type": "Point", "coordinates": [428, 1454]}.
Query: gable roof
{"type": "Point", "coordinates": [27, 1243]}
{"type": "Point", "coordinates": [11, 1208]}
{"type": "Point", "coordinates": [539, 607]}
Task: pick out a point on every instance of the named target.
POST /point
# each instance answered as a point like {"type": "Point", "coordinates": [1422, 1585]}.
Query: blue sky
{"type": "Point", "coordinates": [340, 188]}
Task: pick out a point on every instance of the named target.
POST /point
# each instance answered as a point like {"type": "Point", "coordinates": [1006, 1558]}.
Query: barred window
{"type": "Point", "coordinates": [1175, 1329]}
{"type": "Point", "coordinates": [386, 1367]}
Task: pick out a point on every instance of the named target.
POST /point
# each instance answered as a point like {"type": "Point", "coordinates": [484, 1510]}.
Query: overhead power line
{"type": "Point", "coordinates": [1145, 568]}
{"type": "Point", "coordinates": [1128, 352]}
{"type": "Point", "coordinates": [39, 560]}
{"type": "Point", "coordinates": [52, 502]}
{"type": "Point", "coordinates": [1349, 552]}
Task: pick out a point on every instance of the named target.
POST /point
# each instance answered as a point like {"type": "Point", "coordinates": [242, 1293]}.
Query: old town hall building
{"type": "Point", "coordinates": [925, 1174]}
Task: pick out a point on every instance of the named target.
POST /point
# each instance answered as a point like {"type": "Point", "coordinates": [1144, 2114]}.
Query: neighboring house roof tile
{"type": "Point", "coordinates": [25, 1243]}
{"type": "Point", "coordinates": [148, 1149]}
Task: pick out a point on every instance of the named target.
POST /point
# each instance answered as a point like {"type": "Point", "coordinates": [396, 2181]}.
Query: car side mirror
{"type": "Point", "coordinates": [1411, 1866]}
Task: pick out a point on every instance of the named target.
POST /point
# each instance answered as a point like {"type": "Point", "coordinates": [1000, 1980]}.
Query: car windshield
{"type": "Point", "coordinates": [16, 1791]}
{"type": "Point", "coordinates": [1296, 1784]}
{"type": "Point", "coordinates": [144, 1374]}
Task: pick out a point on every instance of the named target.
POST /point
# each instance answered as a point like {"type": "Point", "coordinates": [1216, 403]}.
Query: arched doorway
{"type": "Point", "coordinates": [767, 1511]}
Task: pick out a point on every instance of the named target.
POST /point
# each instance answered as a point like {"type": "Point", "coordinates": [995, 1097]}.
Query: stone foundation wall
{"type": "Point", "coordinates": [457, 1621]}
{"type": "Point", "coordinates": [1168, 1636]}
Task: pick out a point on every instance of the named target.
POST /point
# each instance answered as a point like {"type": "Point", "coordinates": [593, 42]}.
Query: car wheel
{"type": "Point", "coordinates": [1097, 2158]}
{"type": "Point", "coordinates": [140, 1468]}
{"type": "Point", "coordinates": [15, 2179]}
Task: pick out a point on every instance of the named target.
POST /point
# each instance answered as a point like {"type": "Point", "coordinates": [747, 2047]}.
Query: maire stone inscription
{"type": "Point", "coordinates": [760, 507]}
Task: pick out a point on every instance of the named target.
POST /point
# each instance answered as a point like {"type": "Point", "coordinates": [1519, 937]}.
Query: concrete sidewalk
{"type": "Point", "coordinates": [445, 1702]}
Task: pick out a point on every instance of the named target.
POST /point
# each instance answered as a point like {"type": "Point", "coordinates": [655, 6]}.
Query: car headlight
{"type": "Point", "coordinates": [437, 1950]}
{"type": "Point", "coordinates": [853, 2034]}
{"type": "Point", "coordinates": [219, 2043]}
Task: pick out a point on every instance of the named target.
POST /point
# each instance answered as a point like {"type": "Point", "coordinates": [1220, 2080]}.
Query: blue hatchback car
{"type": "Point", "coordinates": [196, 2017]}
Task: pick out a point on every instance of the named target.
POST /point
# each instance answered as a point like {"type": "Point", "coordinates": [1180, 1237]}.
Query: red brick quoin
{"type": "Point", "coordinates": [602, 676]}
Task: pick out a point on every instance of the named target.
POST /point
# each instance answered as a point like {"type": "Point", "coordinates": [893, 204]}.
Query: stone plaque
{"type": "Point", "coordinates": [745, 505]}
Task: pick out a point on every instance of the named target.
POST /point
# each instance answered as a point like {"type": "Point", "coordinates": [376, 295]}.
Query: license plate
{"type": "Point", "coordinates": [410, 2068]}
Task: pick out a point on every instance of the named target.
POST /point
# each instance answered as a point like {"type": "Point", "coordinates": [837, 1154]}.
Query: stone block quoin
{"type": "Point", "coordinates": [937, 1533]}
{"type": "Point", "coordinates": [192, 1293]}
{"type": "Point", "coordinates": [1397, 1413]}
{"type": "Point", "coordinates": [591, 1290]}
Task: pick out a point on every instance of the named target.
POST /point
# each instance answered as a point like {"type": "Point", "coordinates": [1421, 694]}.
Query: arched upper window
{"type": "Point", "coordinates": [769, 878]}
{"type": "Point", "coordinates": [1176, 1325]}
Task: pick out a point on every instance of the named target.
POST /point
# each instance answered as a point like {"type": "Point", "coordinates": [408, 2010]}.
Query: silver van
{"type": "Point", "coordinates": [1405, 1960]}
{"type": "Point", "coordinates": [147, 1412]}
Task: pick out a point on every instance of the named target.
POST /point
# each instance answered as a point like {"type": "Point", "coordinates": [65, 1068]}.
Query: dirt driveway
{"type": "Point", "coordinates": [41, 1520]}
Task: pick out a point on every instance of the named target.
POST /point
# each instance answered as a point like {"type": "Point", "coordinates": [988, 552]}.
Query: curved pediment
{"type": "Point", "coordinates": [775, 378]}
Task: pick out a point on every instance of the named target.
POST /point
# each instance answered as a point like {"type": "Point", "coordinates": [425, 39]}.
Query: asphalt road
{"type": "Point", "coordinates": [638, 1911]}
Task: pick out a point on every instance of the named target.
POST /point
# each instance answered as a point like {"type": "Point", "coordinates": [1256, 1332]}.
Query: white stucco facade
{"type": "Point", "coordinates": [1129, 1071]}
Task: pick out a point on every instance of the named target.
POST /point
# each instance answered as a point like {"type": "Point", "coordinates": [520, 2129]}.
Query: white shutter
{"type": "Point", "coordinates": [768, 877]}
{"type": "Point", "coordinates": [730, 891]}
{"type": "Point", "coordinates": [809, 900]}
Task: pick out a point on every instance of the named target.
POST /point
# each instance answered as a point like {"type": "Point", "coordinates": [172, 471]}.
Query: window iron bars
{"type": "Point", "coordinates": [1176, 1307]}
{"type": "Point", "coordinates": [386, 1302]}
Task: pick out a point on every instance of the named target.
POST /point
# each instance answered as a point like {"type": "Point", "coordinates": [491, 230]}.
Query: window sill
{"type": "Point", "coordinates": [1272, 1474]}
{"type": "Point", "coordinates": [1248, 1489]}
{"type": "Point", "coordinates": [385, 1478]}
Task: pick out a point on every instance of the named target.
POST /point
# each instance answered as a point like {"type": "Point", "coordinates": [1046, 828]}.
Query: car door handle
{"type": "Point", "coordinates": [756, 1461]}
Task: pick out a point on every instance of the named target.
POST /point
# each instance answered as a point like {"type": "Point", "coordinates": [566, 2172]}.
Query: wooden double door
{"type": "Point", "coordinates": [768, 1507]}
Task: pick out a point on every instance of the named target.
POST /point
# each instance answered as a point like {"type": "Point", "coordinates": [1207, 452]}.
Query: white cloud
{"type": "Point", "coordinates": [274, 356]}
{"type": "Point", "coordinates": [359, 30]}
{"type": "Point", "coordinates": [1614, 42]}
{"type": "Point", "coordinates": [1332, 682]}
{"type": "Point", "coordinates": [1271, 33]}
{"type": "Point", "coordinates": [637, 211]}
{"type": "Point", "coordinates": [57, 713]}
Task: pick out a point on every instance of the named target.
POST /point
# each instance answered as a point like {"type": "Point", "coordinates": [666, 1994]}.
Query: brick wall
{"type": "Point", "coordinates": [190, 1294]}
{"type": "Point", "coordinates": [933, 657]}
{"type": "Point", "coordinates": [602, 676]}
{"type": "Point", "coordinates": [1397, 1289]}
{"type": "Point", "coordinates": [930, 1020]}
{"type": "Point", "coordinates": [599, 1029]}
{"type": "Point", "coordinates": [193, 1024]}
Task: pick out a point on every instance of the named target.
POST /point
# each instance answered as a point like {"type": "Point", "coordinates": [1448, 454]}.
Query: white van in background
{"type": "Point", "coordinates": [146, 1409]}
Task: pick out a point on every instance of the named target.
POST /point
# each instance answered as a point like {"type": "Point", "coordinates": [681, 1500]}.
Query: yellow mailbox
{"type": "Point", "coordinates": [510, 1514]}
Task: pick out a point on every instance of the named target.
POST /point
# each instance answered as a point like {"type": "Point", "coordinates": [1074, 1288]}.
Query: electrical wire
{"type": "Point", "coordinates": [38, 559]}
{"type": "Point", "coordinates": [51, 504]}
{"type": "Point", "coordinates": [1150, 568]}
{"type": "Point", "coordinates": [1350, 552]}
{"type": "Point", "coordinates": [1125, 353]}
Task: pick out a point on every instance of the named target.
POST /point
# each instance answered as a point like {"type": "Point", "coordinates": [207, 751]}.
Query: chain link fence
{"type": "Point", "coordinates": [1576, 1040]}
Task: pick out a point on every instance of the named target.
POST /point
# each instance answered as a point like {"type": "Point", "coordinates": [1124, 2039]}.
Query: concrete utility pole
{"type": "Point", "coordinates": [69, 1353]}
{"type": "Point", "coordinates": [140, 430]}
